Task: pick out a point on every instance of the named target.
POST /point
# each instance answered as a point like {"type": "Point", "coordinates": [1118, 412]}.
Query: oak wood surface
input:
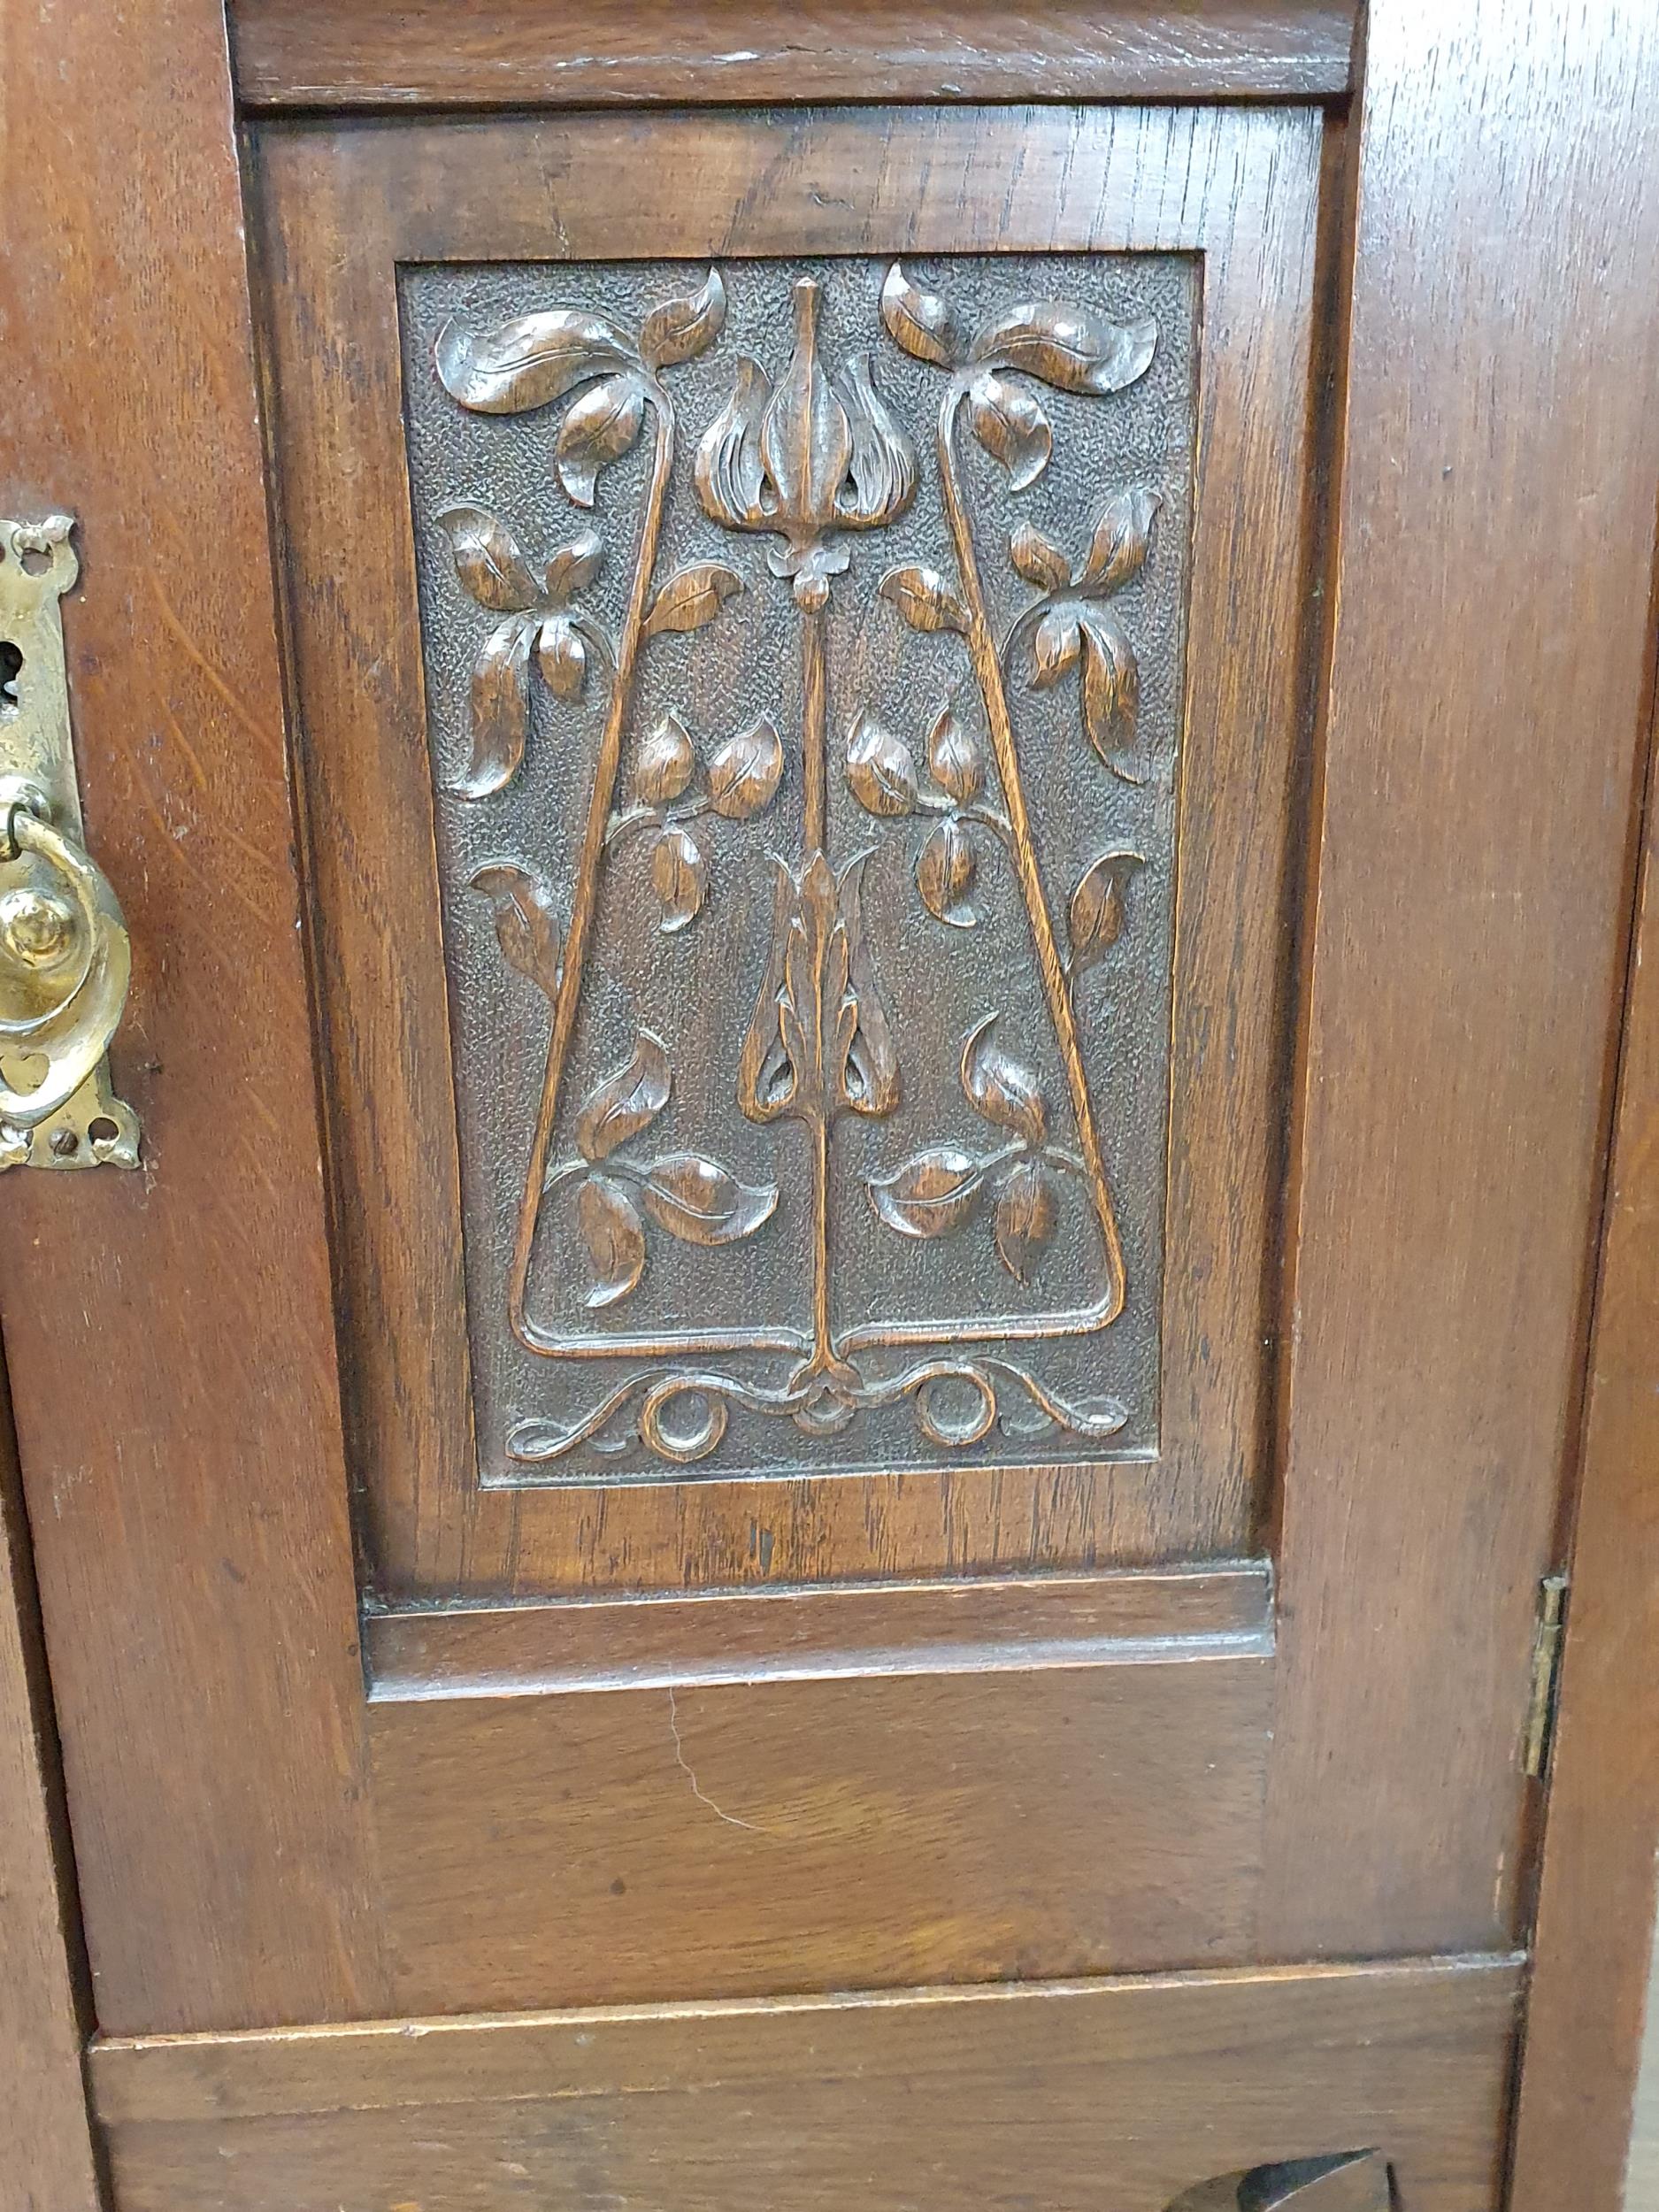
{"type": "Point", "coordinates": [169, 1333]}
{"type": "Point", "coordinates": [1126, 2094]}
{"type": "Point", "coordinates": [343, 204]}
{"type": "Point", "coordinates": [47, 2160]}
{"type": "Point", "coordinates": [877, 1830]}
{"type": "Point", "coordinates": [373, 54]}
{"type": "Point", "coordinates": [1495, 534]}
{"type": "Point", "coordinates": [1591, 1990]}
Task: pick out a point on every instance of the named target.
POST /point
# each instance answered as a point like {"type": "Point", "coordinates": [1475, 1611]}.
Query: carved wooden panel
{"type": "Point", "coordinates": [804, 648]}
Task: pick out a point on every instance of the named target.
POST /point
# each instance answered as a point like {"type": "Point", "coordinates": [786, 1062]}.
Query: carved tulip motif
{"type": "Point", "coordinates": [817, 455]}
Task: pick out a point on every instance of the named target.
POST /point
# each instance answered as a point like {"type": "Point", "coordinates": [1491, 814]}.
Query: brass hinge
{"type": "Point", "coordinates": [1540, 1705]}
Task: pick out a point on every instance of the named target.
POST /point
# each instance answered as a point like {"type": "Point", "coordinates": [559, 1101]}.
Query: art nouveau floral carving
{"type": "Point", "coordinates": [808, 458]}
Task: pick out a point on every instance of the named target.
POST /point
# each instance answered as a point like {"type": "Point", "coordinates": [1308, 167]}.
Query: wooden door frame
{"type": "Point", "coordinates": [176, 680]}
{"type": "Point", "coordinates": [46, 2136]}
{"type": "Point", "coordinates": [1584, 2014]}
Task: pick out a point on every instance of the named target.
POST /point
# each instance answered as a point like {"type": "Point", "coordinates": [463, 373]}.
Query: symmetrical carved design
{"type": "Point", "coordinates": [807, 457]}
{"type": "Point", "coordinates": [1339, 2181]}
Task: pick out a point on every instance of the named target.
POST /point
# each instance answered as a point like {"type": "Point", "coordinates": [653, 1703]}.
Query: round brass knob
{"type": "Point", "coordinates": [45, 931]}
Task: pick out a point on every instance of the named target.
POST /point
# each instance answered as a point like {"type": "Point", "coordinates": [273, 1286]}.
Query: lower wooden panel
{"type": "Point", "coordinates": [739, 1837]}
{"type": "Point", "coordinates": [1120, 2095]}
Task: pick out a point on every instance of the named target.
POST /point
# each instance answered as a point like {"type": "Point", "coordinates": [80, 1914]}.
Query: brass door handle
{"type": "Point", "coordinates": [65, 959]}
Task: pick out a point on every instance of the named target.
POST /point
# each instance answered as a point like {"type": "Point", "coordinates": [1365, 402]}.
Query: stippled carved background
{"type": "Point", "coordinates": [803, 647]}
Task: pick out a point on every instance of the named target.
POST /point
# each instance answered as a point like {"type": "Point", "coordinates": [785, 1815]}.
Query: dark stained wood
{"type": "Point", "coordinates": [1492, 591]}
{"type": "Point", "coordinates": [374, 54]}
{"type": "Point", "coordinates": [169, 1333]}
{"type": "Point", "coordinates": [1129, 2093]}
{"type": "Point", "coordinates": [46, 2154]}
{"type": "Point", "coordinates": [873, 1830]}
{"type": "Point", "coordinates": [937, 1628]}
{"type": "Point", "coordinates": [345, 205]}
{"type": "Point", "coordinates": [1590, 1983]}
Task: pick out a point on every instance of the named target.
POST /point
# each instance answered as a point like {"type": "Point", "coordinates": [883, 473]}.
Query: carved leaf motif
{"type": "Point", "coordinates": [574, 566]}
{"type": "Point", "coordinates": [956, 759]}
{"type": "Point", "coordinates": [1038, 559]}
{"type": "Point", "coordinates": [698, 1202]}
{"type": "Point", "coordinates": [924, 599]}
{"type": "Point", "coordinates": [880, 773]}
{"type": "Point", "coordinates": [614, 1237]}
{"type": "Point", "coordinates": [1111, 689]}
{"type": "Point", "coordinates": [679, 876]}
{"type": "Point", "coordinates": [681, 329]}
{"type": "Point", "coordinates": [1027, 1213]}
{"type": "Point", "coordinates": [1071, 348]}
{"type": "Point", "coordinates": [1096, 915]}
{"type": "Point", "coordinates": [625, 1102]}
{"type": "Point", "coordinates": [692, 597]}
{"type": "Point", "coordinates": [487, 560]}
{"type": "Point", "coordinates": [1120, 541]}
{"type": "Point", "coordinates": [665, 763]}
{"type": "Point", "coordinates": [945, 873]}
{"type": "Point", "coordinates": [562, 658]}
{"type": "Point", "coordinates": [1055, 646]}
{"type": "Point", "coordinates": [526, 926]}
{"type": "Point", "coordinates": [1011, 426]}
{"type": "Point", "coordinates": [924, 323]}
{"type": "Point", "coordinates": [501, 706]}
{"type": "Point", "coordinates": [527, 361]}
{"type": "Point", "coordinates": [596, 430]}
{"type": "Point", "coordinates": [745, 771]}
{"type": "Point", "coordinates": [928, 1193]}
{"type": "Point", "coordinates": [1000, 1088]}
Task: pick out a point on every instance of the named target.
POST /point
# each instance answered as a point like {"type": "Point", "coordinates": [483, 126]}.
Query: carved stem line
{"type": "Point", "coordinates": [814, 729]}
{"type": "Point", "coordinates": [987, 667]}
{"type": "Point", "coordinates": [586, 901]}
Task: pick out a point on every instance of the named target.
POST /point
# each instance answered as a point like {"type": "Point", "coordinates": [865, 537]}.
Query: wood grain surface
{"type": "Point", "coordinates": [1123, 2093]}
{"type": "Point", "coordinates": [1492, 591]}
{"type": "Point", "coordinates": [46, 2149]}
{"type": "Point", "coordinates": [169, 1333]}
{"type": "Point", "coordinates": [375, 54]}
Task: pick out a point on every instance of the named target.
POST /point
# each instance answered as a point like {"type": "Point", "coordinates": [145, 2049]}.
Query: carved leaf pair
{"type": "Point", "coordinates": [882, 776]}
{"type": "Point", "coordinates": [493, 567]}
{"type": "Point", "coordinates": [693, 1198]}
{"type": "Point", "coordinates": [936, 1190]}
{"type": "Point", "coordinates": [1070, 627]}
{"type": "Point", "coordinates": [1071, 349]}
{"type": "Point", "coordinates": [534, 359]}
{"type": "Point", "coordinates": [742, 779]}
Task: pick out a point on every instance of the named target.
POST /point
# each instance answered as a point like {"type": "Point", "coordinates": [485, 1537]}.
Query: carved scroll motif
{"type": "Point", "coordinates": [806, 458]}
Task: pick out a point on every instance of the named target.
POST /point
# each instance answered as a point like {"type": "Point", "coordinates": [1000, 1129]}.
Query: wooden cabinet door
{"type": "Point", "coordinates": [879, 849]}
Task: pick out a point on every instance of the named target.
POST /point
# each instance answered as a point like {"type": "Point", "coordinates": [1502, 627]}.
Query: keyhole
{"type": "Point", "coordinates": [11, 669]}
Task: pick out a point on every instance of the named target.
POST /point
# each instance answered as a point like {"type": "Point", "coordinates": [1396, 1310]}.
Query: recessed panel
{"type": "Point", "coordinates": [804, 646]}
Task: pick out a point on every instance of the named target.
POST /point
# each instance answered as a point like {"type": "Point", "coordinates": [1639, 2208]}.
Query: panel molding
{"type": "Point", "coordinates": [381, 54]}
{"type": "Point", "coordinates": [798, 1635]}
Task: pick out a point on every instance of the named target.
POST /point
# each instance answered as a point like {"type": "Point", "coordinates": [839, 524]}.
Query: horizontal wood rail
{"type": "Point", "coordinates": [373, 54]}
